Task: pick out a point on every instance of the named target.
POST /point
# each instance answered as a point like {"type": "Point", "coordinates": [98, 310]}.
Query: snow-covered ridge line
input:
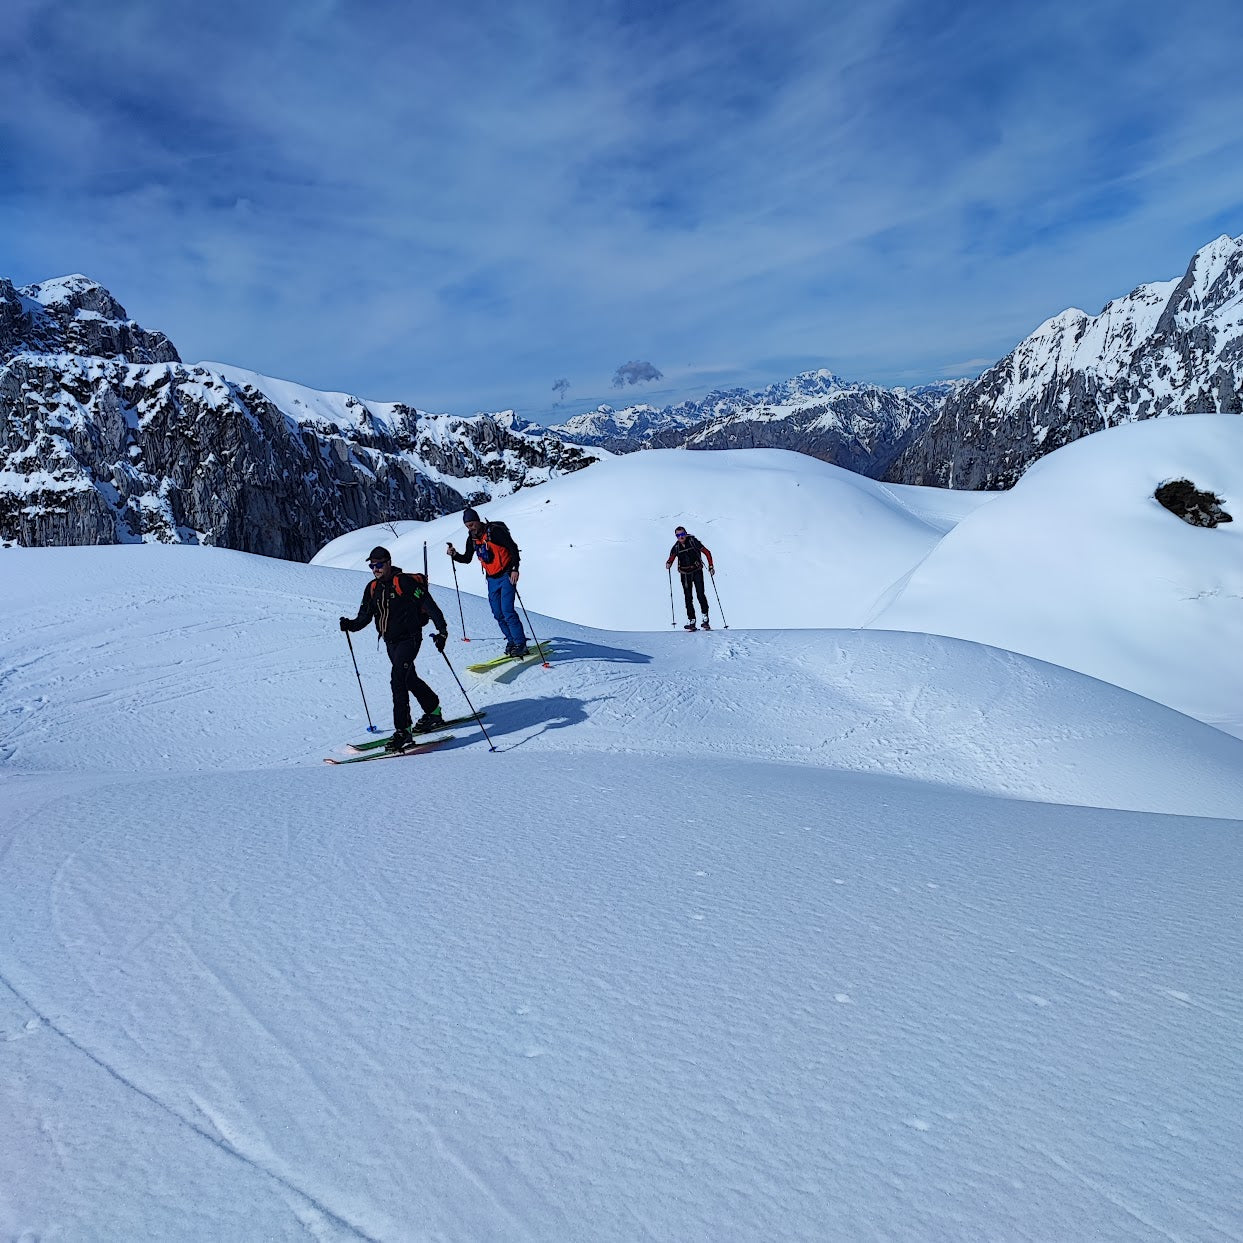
{"type": "Point", "coordinates": [856, 425]}
{"type": "Point", "coordinates": [108, 437]}
{"type": "Point", "coordinates": [142, 447]}
{"type": "Point", "coordinates": [1168, 347]}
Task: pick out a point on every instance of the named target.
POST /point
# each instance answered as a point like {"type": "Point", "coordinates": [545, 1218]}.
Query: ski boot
{"type": "Point", "coordinates": [400, 741]}
{"type": "Point", "coordinates": [703, 625]}
{"type": "Point", "coordinates": [429, 721]}
{"type": "Point", "coordinates": [690, 625]}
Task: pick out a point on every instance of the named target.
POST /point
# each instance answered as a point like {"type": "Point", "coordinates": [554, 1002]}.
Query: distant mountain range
{"type": "Point", "coordinates": [859, 426]}
{"type": "Point", "coordinates": [106, 436]}
{"type": "Point", "coordinates": [1173, 347]}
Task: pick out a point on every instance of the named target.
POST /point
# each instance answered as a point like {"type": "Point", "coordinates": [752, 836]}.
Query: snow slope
{"type": "Point", "coordinates": [1079, 565]}
{"type": "Point", "coordinates": [742, 935]}
{"type": "Point", "coordinates": [794, 933]}
{"type": "Point", "coordinates": [799, 542]}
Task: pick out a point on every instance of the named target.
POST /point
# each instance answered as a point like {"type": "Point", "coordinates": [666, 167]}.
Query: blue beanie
{"type": "Point", "coordinates": [470, 515]}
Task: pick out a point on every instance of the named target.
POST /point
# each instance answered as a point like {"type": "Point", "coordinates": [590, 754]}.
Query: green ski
{"type": "Point", "coordinates": [539, 651]}
{"type": "Point", "coordinates": [367, 756]}
{"type": "Point", "coordinates": [372, 743]}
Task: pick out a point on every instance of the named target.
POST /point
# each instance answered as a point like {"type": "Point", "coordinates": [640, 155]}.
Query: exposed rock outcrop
{"type": "Point", "coordinates": [1174, 347]}
{"type": "Point", "coordinates": [107, 437]}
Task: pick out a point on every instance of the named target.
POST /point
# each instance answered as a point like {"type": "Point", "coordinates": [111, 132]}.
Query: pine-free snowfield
{"type": "Point", "coordinates": [743, 935]}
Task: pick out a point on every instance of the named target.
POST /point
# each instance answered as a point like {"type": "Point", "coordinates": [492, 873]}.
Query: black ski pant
{"type": "Point", "coordinates": [695, 579]}
{"type": "Point", "coordinates": [405, 681]}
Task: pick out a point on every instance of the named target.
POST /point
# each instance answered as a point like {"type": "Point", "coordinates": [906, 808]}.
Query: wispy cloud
{"type": "Point", "coordinates": [450, 205]}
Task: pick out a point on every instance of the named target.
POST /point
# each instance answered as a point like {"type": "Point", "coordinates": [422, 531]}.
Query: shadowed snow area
{"type": "Point", "coordinates": [800, 933]}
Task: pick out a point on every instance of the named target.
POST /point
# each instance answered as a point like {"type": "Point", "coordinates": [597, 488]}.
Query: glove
{"type": "Point", "coordinates": [345, 623]}
{"type": "Point", "coordinates": [439, 640]}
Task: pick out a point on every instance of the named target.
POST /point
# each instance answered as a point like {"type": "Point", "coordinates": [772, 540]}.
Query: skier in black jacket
{"type": "Point", "coordinates": [401, 606]}
{"type": "Point", "coordinates": [690, 555]}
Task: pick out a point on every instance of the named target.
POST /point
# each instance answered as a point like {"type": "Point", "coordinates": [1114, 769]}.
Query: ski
{"type": "Point", "coordinates": [372, 744]}
{"type": "Point", "coordinates": [367, 756]}
{"type": "Point", "coordinates": [539, 651]}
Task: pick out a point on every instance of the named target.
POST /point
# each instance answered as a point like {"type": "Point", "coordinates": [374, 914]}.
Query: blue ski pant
{"type": "Point", "coordinates": [501, 594]}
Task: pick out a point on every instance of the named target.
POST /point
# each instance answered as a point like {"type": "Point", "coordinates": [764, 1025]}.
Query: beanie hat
{"type": "Point", "coordinates": [379, 553]}
{"type": "Point", "coordinates": [470, 515]}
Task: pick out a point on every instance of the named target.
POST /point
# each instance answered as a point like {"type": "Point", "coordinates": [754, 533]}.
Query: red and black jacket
{"type": "Point", "coordinates": [495, 548]}
{"type": "Point", "coordinates": [689, 553]}
{"type": "Point", "coordinates": [400, 605]}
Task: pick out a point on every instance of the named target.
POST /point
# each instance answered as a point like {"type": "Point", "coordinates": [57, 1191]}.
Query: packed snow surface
{"type": "Point", "coordinates": [759, 934]}
{"type": "Point", "coordinates": [1078, 564]}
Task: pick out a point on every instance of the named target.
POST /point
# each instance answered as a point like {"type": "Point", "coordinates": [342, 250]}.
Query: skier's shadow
{"type": "Point", "coordinates": [580, 649]}
{"type": "Point", "coordinates": [518, 716]}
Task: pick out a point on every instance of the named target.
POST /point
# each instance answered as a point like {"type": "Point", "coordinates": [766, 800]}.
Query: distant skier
{"type": "Point", "coordinates": [401, 606]}
{"type": "Point", "coordinates": [498, 557]}
{"type": "Point", "coordinates": [690, 555]}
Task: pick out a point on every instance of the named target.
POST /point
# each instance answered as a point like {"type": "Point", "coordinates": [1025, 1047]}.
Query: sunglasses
{"type": "Point", "coordinates": [377, 565]}
{"type": "Point", "coordinates": [679, 534]}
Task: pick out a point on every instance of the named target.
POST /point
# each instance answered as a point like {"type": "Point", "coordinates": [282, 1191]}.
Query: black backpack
{"type": "Point", "coordinates": [499, 532]}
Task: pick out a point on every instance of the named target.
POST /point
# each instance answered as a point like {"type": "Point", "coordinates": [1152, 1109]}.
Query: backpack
{"type": "Point", "coordinates": [502, 533]}
{"type": "Point", "coordinates": [420, 583]}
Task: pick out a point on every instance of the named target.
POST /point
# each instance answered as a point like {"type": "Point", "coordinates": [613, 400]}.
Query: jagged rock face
{"type": "Point", "coordinates": [74, 315]}
{"type": "Point", "coordinates": [1174, 347]}
{"type": "Point", "coordinates": [106, 437]}
{"type": "Point", "coordinates": [121, 453]}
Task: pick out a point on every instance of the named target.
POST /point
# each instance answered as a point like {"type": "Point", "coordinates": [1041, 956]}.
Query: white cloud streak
{"type": "Point", "coordinates": [451, 206]}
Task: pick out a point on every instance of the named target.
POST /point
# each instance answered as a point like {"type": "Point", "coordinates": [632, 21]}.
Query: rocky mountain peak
{"type": "Point", "coordinates": [107, 437]}
{"type": "Point", "coordinates": [1169, 347]}
{"type": "Point", "coordinates": [75, 315]}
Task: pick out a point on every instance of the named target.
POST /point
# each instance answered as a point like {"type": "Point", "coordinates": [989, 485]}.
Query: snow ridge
{"type": "Point", "coordinates": [108, 437]}
{"type": "Point", "coordinates": [1169, 347]}
{"type": "Point", "coordinates": [858, 426]}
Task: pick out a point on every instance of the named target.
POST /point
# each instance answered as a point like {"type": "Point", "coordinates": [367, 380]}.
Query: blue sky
{"type": "Point", "coordinates": [459, 206]}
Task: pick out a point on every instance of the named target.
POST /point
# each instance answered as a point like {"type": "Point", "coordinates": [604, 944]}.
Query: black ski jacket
{"type": "Point", "coordinates": [400, 605]}
{"type": "Point", "coordinates": [689, 553]}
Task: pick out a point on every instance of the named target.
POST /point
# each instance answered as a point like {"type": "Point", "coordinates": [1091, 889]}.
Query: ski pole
{"type": "Point", "coordinates": [424, 558]}
{"type": "Point", "coordinates": [371, 729]}
{"type": "Point", "coordinates": [673, 618]}
{"type": "Point", "coordinates": [530, 627]}
{"type": "Point", "coordinates": [471, 706]}
{"type": "Point", "coordinates": [457, 589]}
{"type": "Point", "coordinates": [718, 600]}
